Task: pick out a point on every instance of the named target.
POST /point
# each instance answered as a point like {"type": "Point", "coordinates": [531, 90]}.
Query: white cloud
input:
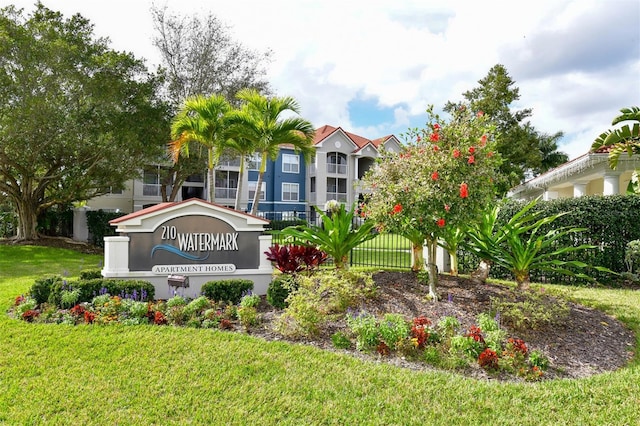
{"type": "Point", "coordinates": [575, 65]}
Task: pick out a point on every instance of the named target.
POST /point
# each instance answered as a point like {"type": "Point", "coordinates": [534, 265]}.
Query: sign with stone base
{"type": "Point", "coordinates": [194, 239]}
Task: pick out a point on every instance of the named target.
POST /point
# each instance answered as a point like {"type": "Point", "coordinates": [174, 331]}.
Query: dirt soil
{"type": "Point", "coordinates": [588, 342]}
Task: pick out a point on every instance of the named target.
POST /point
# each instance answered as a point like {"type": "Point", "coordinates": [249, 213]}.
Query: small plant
{"type": "Point", "coordinates": [176, 300]}
{"type": "Point", "coordinates": [364, 327]}
{"type": "Point", "coordinates": [538, 359]}
{"type": "Point", "coordinates": [69, 298]}
{"type": "Point", "coordinates": [279, 290]}
{"type": "Point", "coordinates": [248, 316]}
{"type": "Point", "coordinates": [340, 340]}
{"type": "Point", "coordinates": [250, 300]}
{"type": "Point", "coordinates": [488, 360]}
{"type": "Point", "coordinates": [291, 258]}
{"type": "Point", "coordinates": [392, 329]}
{"type": "Point", "coordinates": [632, 256]}
{"type": "Point", "coordinates": [530, 310]}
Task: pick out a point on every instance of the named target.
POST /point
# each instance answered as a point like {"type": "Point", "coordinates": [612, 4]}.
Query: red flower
{"type": "Point", "coordinates": [471, 159]}
{"type": "Point", "coordinates": [435, 175]}
{"type": "Point", "coordinates": [89, 317]}
{"type": "Point", "coordinates": [440, 223]}
{"type": "Point", "coordinates": [436, 127]}
{"type": "Point", "coordinates": [490, 154]}
{"type": "Point", "coordinates": [159, 318]}
{"type": "Point", "coordinates": [480, 114]}
{"type": "Point", "coordinates": [483, 140]}
{"type": "Point", "coordinates": [435, 137]}
{"type": "Point", "coordinates": [472, 150]}
{"type": "Point", "coordinates": [456, 153]}
{"type": "Point", "coordinates": [396, 209]}
{"type": "Point", "coordinates": [447, 207]}
{"type": "Point", "coordinates": [418, 139]}
{"type": "Point", "coordinates": [435, 148]}
{"type": "Point", "coordinates": [18, 300]}
{"type": "Point", "coordinates": [488, 359]}
{"type": "Point", "coordinates": [464, 190]}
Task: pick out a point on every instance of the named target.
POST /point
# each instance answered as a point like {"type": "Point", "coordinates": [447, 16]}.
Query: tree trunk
{"type": "Point", "coordinates": [453, 256]}
{"type": "Point", "coordinates": [27, 219]}
{"type": "Point", "coordinates": [256, 197]}
{"type": "Point", "coordinates": [432, 252]}
{"type": "Point", "coordinates": [417, 259]}
{"type": "Point", "coordinates": [523, 281]}
{"type": "Point", "coordinates": [480, 275]}
{"type": "Point", "coordinates": [240, 179]}
{"type": "Point", "coordinates": [210, 184]}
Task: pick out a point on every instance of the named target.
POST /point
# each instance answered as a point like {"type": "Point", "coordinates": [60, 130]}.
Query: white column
{"type": "Point", "coordinates": [116, 256]}
{"type": "Point", "coordinates": [579, 190]}
{"type": "Point", "coordinates": [265, 243]}
{"type": "Point", "coordinates": [611, 184]}
{"type": "Point", "coordinates": [80, 228]}
{"type": "Point", "coordinates": [549, 195]}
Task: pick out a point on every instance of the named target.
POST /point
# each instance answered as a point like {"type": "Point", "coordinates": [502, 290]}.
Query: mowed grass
{"type": "Point", "coordinates": [153, 375]}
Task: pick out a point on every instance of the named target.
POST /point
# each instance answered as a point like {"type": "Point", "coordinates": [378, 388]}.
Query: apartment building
{"type": "Point", "coordinates": [290, 186]}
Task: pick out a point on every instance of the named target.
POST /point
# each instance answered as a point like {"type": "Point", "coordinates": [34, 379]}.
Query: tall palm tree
{"type": "Point", "coordinates": [550, 157]}
{"type": "Point", "coordinates": [263, 125]}
{"type": "Point", "coordinates": [624, 139]}
{"type": "Point", "coordinates": [201, 120]}
{"type": "Point", "coordinates": [244, 148]}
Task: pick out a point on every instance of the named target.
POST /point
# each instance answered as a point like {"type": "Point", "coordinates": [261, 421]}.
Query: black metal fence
{"type": "Point", "coordinates": [388, 251]}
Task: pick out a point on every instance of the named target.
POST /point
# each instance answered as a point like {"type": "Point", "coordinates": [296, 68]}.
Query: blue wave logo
{"type": "Point", "coordinates": [174, 250]}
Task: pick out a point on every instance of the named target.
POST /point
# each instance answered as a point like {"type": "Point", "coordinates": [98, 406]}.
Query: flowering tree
{"type": "Point", "coordinates": [442, 178]}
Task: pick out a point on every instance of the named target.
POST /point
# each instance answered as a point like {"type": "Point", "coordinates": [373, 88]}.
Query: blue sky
{"type": "Point", "coordinates": [373, 67]}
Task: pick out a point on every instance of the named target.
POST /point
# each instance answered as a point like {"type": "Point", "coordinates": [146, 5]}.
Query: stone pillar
{"type": "Point", "coordinates": [549, 195]}
{"type": "Point", "coordinates": [80, 228]}
{"type": "Point", "coordinates": [579, 190]}
{"type": "Point", "coordinates": [116, 256]}
{"type": "Point", "coordinates": [611, 184]}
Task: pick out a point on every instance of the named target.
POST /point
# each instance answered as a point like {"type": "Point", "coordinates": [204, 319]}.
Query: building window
{"type": "Point", "coordinates": [290, 192]}
{"type": "Point", "coordinates": [290, 163]}
{"type": "Point", "coordinates": [337, 189]}
{"type": "Point", "coordinates": [337, 163]}
{"type": "Point", "coordinates": [151, 181]}
{"type": "Point", "coordinates": [252, 190]}
{"type": "Point", "coordinates": [312, 184]}
{"type": "Point", "coordinates": [253, 163]}
{"type": "Point", "coordinates": [226, 183]}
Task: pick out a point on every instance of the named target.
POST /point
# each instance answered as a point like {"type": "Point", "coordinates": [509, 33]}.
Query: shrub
{"type": "Point", "coordinates": [89, 274]}
{"type": "Point", "coordinates": [88, 289]}
{"type": "Point", "coordinates": [530, 310]}
{"type": "Point", "coordinates": [250, 300]}
{"type": "Point", "coordinates": [393, 328]}
{"type": "Point", "coordinates": [340, 340]}
{"type": "Point", "coordinates": [291, 258]}
{"type": "Point", "coordinates": [279, 290]}
{"type": "Point", "coordinates": [364, 326]}
{"type": "Point", "coordinates": [41, 288]}
{"type": "Point", "coordinates": [230, 291]}
{"type": "Point", "coordinates": [632, 255]}
{"type": "Point", "coordinates": [488, 360]}
{"type": "Point", "coordinates": [248, 316]}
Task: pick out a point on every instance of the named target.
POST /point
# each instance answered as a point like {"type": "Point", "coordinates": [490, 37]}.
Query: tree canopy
{"type": "Point", "coordinates": [526, 152]}
{"type": "Point", "coordinates": [76, 117]}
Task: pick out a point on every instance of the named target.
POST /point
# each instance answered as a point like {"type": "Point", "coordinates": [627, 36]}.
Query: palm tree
{"type": "Point", "coordinates": [202, 120]}
{"type": "Point", "coordinates": [550, 157]}
{"type": "Point", "coordinates": [625, 139]}
{"type": "Point", "coordinates": [263, 125]}
{"type": "Point", "coordinates": [244, 148]}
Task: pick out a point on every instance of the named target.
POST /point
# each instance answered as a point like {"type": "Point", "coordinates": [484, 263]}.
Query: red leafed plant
{"type": "Point", "coordinates": [518, 345]}
{"type": "Point", "coordinates": [78, 311]}
{"type": "Point", "coordinates": [18, 300]}
{"type": "Point", "coordinates": [475, 333]}
{"type": "Point", "coordinates": [383, 349]}
{"type": "Point", "coordinates": [159, 318]}
{"type": "Point", "coordinates": [488, 359]}
{"type": "Point", "coordinates": [420, 331]}
{"type": "Point", "coordinates": [89, 317]}
{"type": "Point", "coordinates": [30, 315]}
{"type": "Point", "coordinates": [291, 258]}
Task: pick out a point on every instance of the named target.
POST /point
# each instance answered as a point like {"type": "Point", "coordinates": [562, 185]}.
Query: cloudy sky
{"type": "Point", "coordinates": [372, 67]}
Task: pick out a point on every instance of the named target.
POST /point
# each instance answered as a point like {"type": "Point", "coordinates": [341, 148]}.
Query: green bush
{"type": "Point", "coordinates": [98, 225]}
{"type": "Point", "coordinates": [612, 221]}
{"type": "Point", "coordinates": [89, 274]}
{"type": "Point", "coordinates": [279, 290]}
{"type": "Point", "coordinates": [530, 310]}
{"type": "Point", "coordinates": [88, 289]}
{"type": "Point", "coordinates": [230, 291]}
{"type": "Point", "coordinates": [41, 288]}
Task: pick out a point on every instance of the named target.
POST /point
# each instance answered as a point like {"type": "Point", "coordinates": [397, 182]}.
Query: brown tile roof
{"type": "Point", "coordinates": [359, 141]}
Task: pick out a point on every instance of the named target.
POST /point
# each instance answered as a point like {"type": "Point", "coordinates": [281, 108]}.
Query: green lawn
{"type": "Point", "coordinates": [152, 375]}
